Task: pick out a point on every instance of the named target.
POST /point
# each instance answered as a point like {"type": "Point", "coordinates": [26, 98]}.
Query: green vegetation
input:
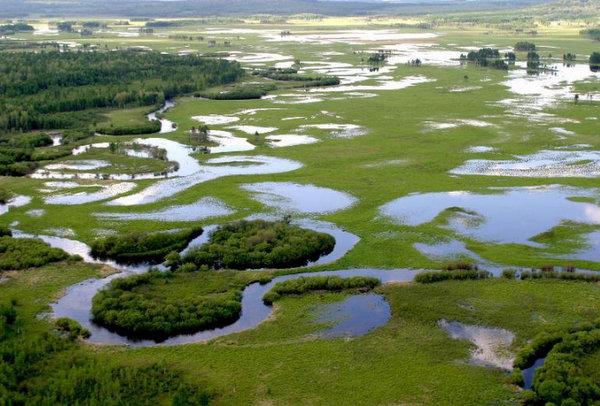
{"type": "Point", "coordinates": [289, 75]}
{"type": "Point", "coordinates": [486, 57]}
{"type": "Point", "coordinates": [138, 308]}
{"type": "Point", "coordinates": [42, 368]}
{"type": "Point", "coordinates": [23, 253]}
{"type": "Point", "coordinates": [595, 61]}
{"type": "Point", "coordinates": [454, 274]}
{"type": "Point", "coordinates": [565, 378]}
{"type": "Point", "coordinates": [238, 92]}
{"type": "Point", "coordinates": [524, 46]}
{"type": "Point", "coordinates": [9, 29]}
{"type": "Point", "coordinates": [5, 196]}
{"type": "Point", "coordinates": [260, 244]}
{"type": "Point", "coordinates": [593, 33]}
{"type": "Point", "coordinates": [138, 247]}
{"type": "Point", "coordinates": [47, 90]}
{"type": "Point", "coordinates": [72, 328]}
{"type": "Point", "coordinates": [309, 284]}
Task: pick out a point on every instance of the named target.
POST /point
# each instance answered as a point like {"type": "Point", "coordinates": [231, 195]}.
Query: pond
{"type": "Point", "coordinates": [511, 215]}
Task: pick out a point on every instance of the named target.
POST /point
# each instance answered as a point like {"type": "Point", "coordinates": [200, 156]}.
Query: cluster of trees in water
{"type": "Point", "coordinates": [40, 367]}
{"type": "Point", "coordinates": [567, 377]}
{"type": "Point", "coordinates": [486, 57]}
{"type": "Point", "coordinates": [260, 244]}
{"type": "Point", "coordinates": [291, 74]}
{"type": "Point", "coordinates": [238, 92]}
{"type": "Point", "coordinates": [305, 285]}
{"type": "Point", "coordinates": [453, 271]}
{"type": "Point", "coordinates": [141, 247]}
{"type": "Point", "coordinates": [24, 253]}
{"type": "Point", "coordinates": [141, 307]}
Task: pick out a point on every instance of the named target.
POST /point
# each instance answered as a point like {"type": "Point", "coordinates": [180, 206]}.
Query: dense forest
{"type": "Point", "coordinates": [64, 90]}
{"type": "Point", "coordinates": [38, 90]}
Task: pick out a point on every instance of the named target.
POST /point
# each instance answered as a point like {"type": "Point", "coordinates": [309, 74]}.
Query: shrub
{"type": "Point", "coordinates": [5, 196]}
{"type": "Point", "coordinates": [524, 46]}
{"type": "Point", "coordinates": [509, 274]}
{"type": "Point", "coordinates": [138, 247]}
{"type": "Point", "coordinates": [130, 307]}
{"type": "Point", "coordinates": [23, 253]}
{"type": "Point", "coordinates": [45, 369]}
{"type": "Point", "coordinates": [73, 329]}
{"type": "Point", "coordinates": [308, 284]}
{"type": "Point", "coordinates": [562, 380]}
{"type": "Point", "coordinates": [241, 92]}
{"type": "Point", "coordinates": [595, 61]}
{"type": "Point", "coordinates": [149, 127]}
{"type": "Point", "coordinates": [260, 244]}
{"type": "Point", "coordinates": [439, 276]}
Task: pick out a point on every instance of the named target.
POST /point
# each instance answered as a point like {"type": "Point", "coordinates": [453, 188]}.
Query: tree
{"type": "Point", "coordinates": [595, 61]}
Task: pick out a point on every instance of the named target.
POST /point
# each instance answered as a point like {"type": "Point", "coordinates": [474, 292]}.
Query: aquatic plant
{"type": "Point", "coordinates": [139, 247]}
{"type": "Point", "coordinates": [439, 276]}
{"type": "Point", "coordinates": [23, 253]}
{"type": "Point", "coordinates": [260, 244]}
{"type": "Point", "coordinates": [309, 284]}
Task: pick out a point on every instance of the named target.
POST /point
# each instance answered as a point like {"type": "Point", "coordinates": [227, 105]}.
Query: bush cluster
{"type": "Point", "coordinates": [260, 244]}
{"type": "Point", "coordinates": [139, 247]}
{"type": "Point", "coordinates": [241, 92]}
{"type": "Point", "coordinates": [129, 308]}
{"type": "Point", "coordinates": [47, 369]}
{"type": "Point", "coordinates": [458, 275]}
{"type": "Point", "coordinates": [72, 328]}
{"type": "Point", "coordinates": [309, 284]}
{"type": "Point", "coordinates": [563, 379]}
{"type": "Point", "coordinates": [148, 127]}
{"type": "Point", "coordinates": [23, 253]}
{"type": "Point", "coordinates": [486, 57]}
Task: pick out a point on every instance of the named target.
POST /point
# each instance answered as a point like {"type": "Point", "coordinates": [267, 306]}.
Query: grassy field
{"type": "Point", "coordinates": [410, 360]}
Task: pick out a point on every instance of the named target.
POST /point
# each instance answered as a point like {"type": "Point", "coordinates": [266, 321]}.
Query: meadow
{"type": "Point", "coordinates": [420, 164]}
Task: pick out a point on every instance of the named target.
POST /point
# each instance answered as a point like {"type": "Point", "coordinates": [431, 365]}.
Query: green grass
{"type": "Point", "coordinates": [410, 360]}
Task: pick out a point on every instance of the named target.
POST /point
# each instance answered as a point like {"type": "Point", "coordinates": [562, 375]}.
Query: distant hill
{"type": "Point", "coordinates": [187, 8]}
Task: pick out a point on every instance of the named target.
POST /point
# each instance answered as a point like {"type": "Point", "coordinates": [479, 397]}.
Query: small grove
{"type": "Point", "coordinates": [23, 253]}
{"type": "Point", "coordinates": [140, 247]}
{"type": "Point", "coordinates": [260, 244]}
{"type": "Point", "coordinates": [564, 379]}
{"type": "Point", "coordinates": [305, 285]}
{"type": "Point", "coordinates": [158, 305]}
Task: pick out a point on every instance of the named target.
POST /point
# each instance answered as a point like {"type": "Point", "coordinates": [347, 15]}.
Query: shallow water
{"type": "Point", "coordinates": [216, 119]}
{"type": "Point", "coordinates": [492, 344]}
{"type": "Point", "coordinates": [339, 130]}
{"type": "Point", "coordinates": [253, 129]}
{"type": "Point", "coordinates": [76, 304]}
{"type": "Point", "coordinates": [213, 169]}
{"type": "Point", "coordinates": [542, 164]}
{"type": "Point", "coordinates": [81, 165]}
{"type": "Point", "coordinates": [354, 316]}
{"type": "Point", "coordinates": [228, 142]}
{"type": "Point", "coordinates": [592, 250]}
{"type": "Point", "coordinates": [348, 36]}
{"type": "Point", "coordinates": [287, 197]}
{"type": "Point", "coordinates": [166, 126]}
{"type": "Point", "coordinates": [105, 192]}
{"type": "Point", "coordinates": [289, 140]}
{"type": "Point", "coordinates": [204, 208]}
{"type": "Point", "coordinates": [17, 201]}
{"type": "Point", "coordinates": [506, 216]}
{"type": "Point", "coordinates": [529, 373]}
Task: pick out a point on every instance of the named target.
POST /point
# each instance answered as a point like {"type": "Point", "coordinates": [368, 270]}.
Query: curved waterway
{"type": "Point", "coordinates": [76, 304]}
{"type": "Point", "coordinates": [166, 126]}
